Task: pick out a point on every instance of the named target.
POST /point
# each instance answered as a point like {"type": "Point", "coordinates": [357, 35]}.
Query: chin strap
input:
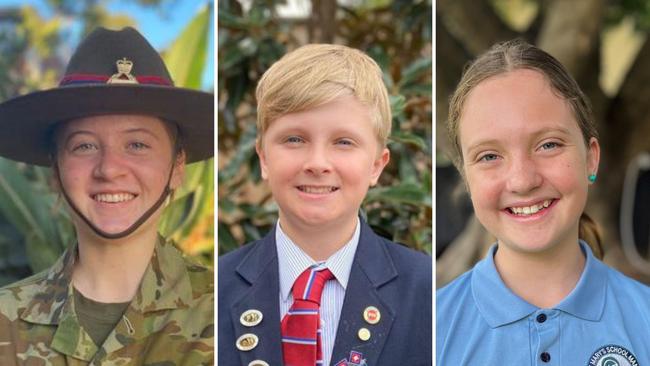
{"type": "Point", "coordinates": [145, 216]}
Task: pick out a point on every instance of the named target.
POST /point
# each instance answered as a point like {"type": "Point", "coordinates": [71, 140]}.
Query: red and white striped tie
{"type": "Point", "coordinates": [301, 334]}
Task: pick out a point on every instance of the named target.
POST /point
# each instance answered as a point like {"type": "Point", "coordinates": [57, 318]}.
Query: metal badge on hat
{"type": "Point", "coordinates": [123, 75]}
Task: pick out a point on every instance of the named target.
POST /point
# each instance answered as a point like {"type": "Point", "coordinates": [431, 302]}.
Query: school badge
{"type": "Point", "coordinates": [612, 355]}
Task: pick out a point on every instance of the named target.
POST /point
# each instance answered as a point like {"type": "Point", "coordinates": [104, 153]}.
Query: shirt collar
{"type": "Point", "coordinates": [500, 306]}
{"type": "Point", "coordinates": [292, 260]}
{"type": "Point", "coordinates": [165, 285]}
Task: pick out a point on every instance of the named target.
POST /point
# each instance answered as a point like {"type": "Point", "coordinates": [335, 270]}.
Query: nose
{"type": "Point", "coordinates": [523, 176]}
{"type": "Point", "coordinates": [317, 161]}
{"type": "Point", "coordinates": [109, 164]}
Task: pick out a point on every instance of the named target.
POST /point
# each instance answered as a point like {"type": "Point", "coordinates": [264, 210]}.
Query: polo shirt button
{"type": "Point", "coordinates": [541, 318]}
{"type": "Point", "coordinates": [545, 356]}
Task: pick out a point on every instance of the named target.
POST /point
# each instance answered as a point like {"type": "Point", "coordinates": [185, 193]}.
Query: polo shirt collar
{"type": "Point", "coordinates": [500, 306]}
{"type": "Point", "coordinates": [292, 260]}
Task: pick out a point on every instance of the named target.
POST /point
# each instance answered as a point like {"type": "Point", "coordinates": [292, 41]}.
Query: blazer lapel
{"type": "Point", "coordinates": [372, 268]}
{"type": "Point", "coordinates": [260, 269]}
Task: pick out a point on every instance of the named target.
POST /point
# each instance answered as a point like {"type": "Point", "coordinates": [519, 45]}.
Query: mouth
{"type": "Point", "coordinates": [113, 197]}
{"type": "Point", "coordinates": [317, 189]}
{"type": "Point", "coordinates": [524, 211]}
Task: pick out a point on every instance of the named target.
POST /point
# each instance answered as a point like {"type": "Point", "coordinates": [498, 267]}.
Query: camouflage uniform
{"type": "Point", "coordinates": [169, 322]}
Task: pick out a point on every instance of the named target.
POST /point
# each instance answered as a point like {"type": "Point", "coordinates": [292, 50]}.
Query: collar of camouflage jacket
{"type": "Point", "coordinates": [165, 285]}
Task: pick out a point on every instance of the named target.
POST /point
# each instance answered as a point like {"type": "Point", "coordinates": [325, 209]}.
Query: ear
{"type": "Point", "coordinates": [378, 166]}
{"type": "Point", "coordinates": [260, 154]}
{"type": "Point", "coordinates": [593, 156]}
{"type": "Point", "coordinates": [179, 171]}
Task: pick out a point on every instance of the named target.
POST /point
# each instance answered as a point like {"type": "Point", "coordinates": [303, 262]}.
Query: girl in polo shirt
{"type": "Point", "coordinates": [525, 142]}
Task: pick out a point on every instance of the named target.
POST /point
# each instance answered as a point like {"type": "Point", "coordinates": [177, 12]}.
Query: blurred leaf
{"type": "Point", "coordinates": [404, 193]}
{"type": "Point", "coordinates": [415, 70]}
{"type": "Point", "coordinates": [186, 57]}
{"type": "Point", "coordinates": [409, 139]}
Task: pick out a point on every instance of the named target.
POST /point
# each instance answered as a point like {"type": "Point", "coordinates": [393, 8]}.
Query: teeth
{"type": "Point", "coordinates": [317, 190]}
{"type": "Point", "coordinates": [529, 210]}
{"type": "Point", "coordinates": [113, 198]}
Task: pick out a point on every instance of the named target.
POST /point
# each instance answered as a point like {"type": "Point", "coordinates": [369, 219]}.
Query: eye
{"type": "Point", "coordinates": [293, 140]}
{"type": "Point", "coordinates": [137, 145]}
{"type": "Point", "coordinates": [83, 147]}
{"type": "Point", "coordinates": [488, 157]}
{"type": "Point", "coordinates": [345, 142]}
{"type": "Point", "coordinates": [549, 145]}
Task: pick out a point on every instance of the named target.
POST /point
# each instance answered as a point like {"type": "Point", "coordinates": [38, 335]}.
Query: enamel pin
{"type": "Point", "coordinates": [371, 315]}
{"type": "Point", "coordinates": [123, 75]}
{"type": "Point", "coordinates": [355, 359]}
{"type": "Point", "coordinates": [247, 342]}
{"type": "Point", "coordinates": [364, 334]}
{"type": "Point", "coordinates": [251, 318]}
{"type": "Point", "coordinates": [258, 363]}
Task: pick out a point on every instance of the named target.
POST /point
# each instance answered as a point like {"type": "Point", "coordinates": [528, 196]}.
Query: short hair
{"type": "Point", "coordinates": [316, 74]}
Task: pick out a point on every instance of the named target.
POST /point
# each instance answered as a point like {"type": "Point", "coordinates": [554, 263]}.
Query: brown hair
{"type": "Point", "coordinates": [316, 74]}
{"type": "Point", "coordinates": [514, 55]}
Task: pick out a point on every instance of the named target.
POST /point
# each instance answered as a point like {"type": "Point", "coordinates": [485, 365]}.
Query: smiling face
{"type": "Point", "coordinates": [115, 167]}
{"type": "Point", "coordinates": [319, 163]}
{"type": "Point", "coordinates": [525, 161]}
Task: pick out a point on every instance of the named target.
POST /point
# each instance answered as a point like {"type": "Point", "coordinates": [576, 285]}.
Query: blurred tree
{"type": "Point", "coordinates": [577, 33]}
{"type": "Point", "coordinates": [397, 34]}
{"type": "Point", "coordinates": [34, 226]}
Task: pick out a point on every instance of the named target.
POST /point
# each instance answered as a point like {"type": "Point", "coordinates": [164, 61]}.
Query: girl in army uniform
{"type": "Point", "coordinates": [117, 134]}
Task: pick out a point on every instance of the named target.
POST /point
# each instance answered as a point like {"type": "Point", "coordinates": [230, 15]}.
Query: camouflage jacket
{"type": "Point", "coordinates": [169, 322]}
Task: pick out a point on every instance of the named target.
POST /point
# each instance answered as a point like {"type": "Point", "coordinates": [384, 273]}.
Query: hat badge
{"type": "Point", "coordinates": [123, 75]}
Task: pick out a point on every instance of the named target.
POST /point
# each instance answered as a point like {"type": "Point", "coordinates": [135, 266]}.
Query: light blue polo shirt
{"type": "Point", "coordinates": [604, 321]}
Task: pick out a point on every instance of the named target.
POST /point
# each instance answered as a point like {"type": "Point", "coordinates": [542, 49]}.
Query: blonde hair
{"type": "Point", "coordinates": [317, 74]}
{"type": "Point", "coordinates": [515, 55]}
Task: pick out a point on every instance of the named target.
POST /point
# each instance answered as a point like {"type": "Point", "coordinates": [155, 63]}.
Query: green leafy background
{"type": "Point", "coordinates": [34, 223]}
{"type": "Point", "coordinates": [397, 34]}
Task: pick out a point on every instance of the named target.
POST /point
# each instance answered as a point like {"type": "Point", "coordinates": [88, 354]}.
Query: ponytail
{"type": "Point", "coordinates": [589, 231]}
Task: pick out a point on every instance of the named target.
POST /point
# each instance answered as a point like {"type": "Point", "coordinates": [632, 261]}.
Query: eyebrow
{"type": "Point", "coordinates": [536, 134]}
{"type": "Point", "coordinates": [126, 131]}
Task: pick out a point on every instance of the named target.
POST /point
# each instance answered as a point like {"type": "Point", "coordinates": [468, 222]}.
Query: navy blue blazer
{"type": "Point", "coordinates": [391, 277]}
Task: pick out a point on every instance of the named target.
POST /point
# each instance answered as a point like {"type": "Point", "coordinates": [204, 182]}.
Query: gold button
{"type": "Point", "coordinates": [251, 318]}
{"type": "Point", "coordinates": [364, 334]}
{"type": "Point", "coordinates": [247, 342]}
{"type": "Point", "coordinates": [371, 315]}
{"type": "Point", "coordinates": [258, 363]}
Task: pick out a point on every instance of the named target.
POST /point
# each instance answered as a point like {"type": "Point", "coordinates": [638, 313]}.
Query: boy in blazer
{"type": "Point", "coordinates": [322, 288]}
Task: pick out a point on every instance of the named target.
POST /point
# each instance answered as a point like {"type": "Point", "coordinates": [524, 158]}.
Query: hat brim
{"type": "Point", "coordinates": [28, 120]}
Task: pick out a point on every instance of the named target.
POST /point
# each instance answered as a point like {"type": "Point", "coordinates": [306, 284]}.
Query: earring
{"type": "Point", "coordinates": [592, 178]}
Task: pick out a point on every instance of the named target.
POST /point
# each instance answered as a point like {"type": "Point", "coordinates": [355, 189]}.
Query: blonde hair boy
{"type": "Point", "coordinates": [317, 74]}
{"type": "Point", "coordinates": [323, 124]}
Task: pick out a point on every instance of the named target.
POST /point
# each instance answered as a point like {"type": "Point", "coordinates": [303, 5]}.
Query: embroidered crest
{"type": "Point", "coordinates": [612, 355]}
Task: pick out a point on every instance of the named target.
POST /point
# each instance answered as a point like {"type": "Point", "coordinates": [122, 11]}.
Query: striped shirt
{"type": "Point", "coordinates": [292, 261]}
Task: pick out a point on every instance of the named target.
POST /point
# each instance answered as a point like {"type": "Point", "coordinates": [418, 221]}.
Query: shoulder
{"type": "Point", "coordinates": [18, 295]}
{"type": "Point", "coordinates": [623, 287]}
{"type": "Point", "coordinates": [411, 262]}
{"type": "Point", "coordinates": [201, 278]}
{"type": "Point", "coordinates": [453, 300]}
{"type": "Point", "coordinates": [229, 261]}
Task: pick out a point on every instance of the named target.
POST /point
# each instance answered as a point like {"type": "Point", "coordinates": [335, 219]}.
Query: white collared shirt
{"type": "Point", "coordinates": [292, 261]}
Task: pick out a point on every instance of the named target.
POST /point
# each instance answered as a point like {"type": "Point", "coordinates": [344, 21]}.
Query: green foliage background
{"type": "Point", "coordinates": [397, 34]}
{"type": "Point", "coordinates": [34, 224]}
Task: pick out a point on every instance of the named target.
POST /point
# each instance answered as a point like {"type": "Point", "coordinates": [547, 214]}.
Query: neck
{"type": "Point", "coordinates": [110, 270]}
{"type": "Point", "coordinates": [319, 241]}
{"type": "Point", "coordinates": [542, 279]}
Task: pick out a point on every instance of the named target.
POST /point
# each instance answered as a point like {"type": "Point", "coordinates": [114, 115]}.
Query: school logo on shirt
{"type": "Point", "coordinates": [612, 355]}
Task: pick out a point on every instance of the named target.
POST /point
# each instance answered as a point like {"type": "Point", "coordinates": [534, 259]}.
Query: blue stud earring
{"type": "Point", "coordinates": [592, 178]}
